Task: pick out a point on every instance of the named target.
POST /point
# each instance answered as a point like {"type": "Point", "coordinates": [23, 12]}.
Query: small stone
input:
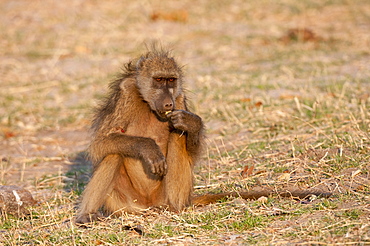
{"type": "Point", "coordinates": [14, 200]}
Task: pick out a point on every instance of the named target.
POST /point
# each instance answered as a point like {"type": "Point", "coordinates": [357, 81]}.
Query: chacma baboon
{"type": "Point", "coordinates": [146, 142]}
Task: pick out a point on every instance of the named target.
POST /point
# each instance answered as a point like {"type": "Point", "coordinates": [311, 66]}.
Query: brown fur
{"type": "Point", "coordinates": [141, 157]}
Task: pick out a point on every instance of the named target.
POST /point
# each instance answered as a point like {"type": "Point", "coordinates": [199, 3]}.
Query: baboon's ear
{"type": "Point", "coordinates": [125, 84]}
{"type": "Point", "coordinates": [139, 63]}
{"type": "Point", "coordinates": [122, 85]}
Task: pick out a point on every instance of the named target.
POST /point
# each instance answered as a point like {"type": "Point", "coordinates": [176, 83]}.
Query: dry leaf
{"type": "Point", "coordinates": [175, 15]}
{"type": "Point", "coordinates": [247, 171]}
{"type": "Point", "coordinates": [258, 104]}
{"type": "Point", "coordinates": [300, 35]}
{"type": "Point", "coordinates": [9, 134]}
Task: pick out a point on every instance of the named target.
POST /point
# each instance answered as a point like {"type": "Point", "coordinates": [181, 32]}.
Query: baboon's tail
{"type": "Point", "coordinates": [259, 192]}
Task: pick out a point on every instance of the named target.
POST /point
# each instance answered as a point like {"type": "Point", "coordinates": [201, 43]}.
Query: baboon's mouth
{"type": "Point", "coordinates": [162, 115]}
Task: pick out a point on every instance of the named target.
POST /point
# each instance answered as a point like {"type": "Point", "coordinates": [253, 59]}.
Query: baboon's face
{"type": "Point", "coordinates": [159, 82]}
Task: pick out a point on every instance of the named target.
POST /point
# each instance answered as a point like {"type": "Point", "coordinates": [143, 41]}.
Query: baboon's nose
{"type": "Point", "coordinates": [168, 106]}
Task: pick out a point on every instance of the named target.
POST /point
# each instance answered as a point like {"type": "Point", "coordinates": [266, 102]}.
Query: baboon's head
{"type": "Point", "coordinates": [159, 80]}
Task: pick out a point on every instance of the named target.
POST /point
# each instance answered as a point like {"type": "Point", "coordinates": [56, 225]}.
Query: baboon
{"type": "Point", "coordinates": [146, 142]}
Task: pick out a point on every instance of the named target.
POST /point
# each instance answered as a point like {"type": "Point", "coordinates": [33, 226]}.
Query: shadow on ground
{"type": "Point", "coordinates": [79, 172]}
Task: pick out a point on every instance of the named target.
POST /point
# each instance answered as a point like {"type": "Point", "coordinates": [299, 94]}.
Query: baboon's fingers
{"type": "Point", "coordinates": [185, 121]}
{"type": "Point", "coordinates": [159, 168]}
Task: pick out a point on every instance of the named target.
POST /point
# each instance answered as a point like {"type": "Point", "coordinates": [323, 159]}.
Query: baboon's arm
{"type": "Point", "coordinates": [141, 148]}
{"type": "Point", "coordinates": [192, 125]}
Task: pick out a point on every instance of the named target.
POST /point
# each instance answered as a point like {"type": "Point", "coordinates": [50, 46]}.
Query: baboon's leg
{"type": "Point", "coordinates": [129, 192]}
{"type": "Point", "coordinates": [178, 183]}
{"type": "Point", "coordinates": [98, 189]}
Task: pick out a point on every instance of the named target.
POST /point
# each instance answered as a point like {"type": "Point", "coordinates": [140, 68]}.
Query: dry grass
{"type": "Point", "coordinates": [283, 87]}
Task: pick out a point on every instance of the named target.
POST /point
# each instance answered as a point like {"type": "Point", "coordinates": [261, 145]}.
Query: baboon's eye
{"type": "Point", "coordinates": [171, 79]}
{"type": "Point", "coordinates": [158, 79]}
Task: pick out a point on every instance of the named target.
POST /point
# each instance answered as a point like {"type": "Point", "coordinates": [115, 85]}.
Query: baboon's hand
{"type": "Point", "coordinates": [153, 157]}
{"type": "Point", "coordinates": [185, 121]}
